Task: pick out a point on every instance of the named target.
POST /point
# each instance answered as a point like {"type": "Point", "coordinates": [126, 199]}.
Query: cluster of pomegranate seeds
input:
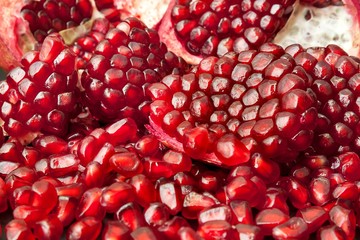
{"type": "Point", "coordinates": [48, 16]}
{"type": "Point", "coordinates": [124, 63]}
{"type": "Point", "coordinates": [231, 107]}
{"type": "Point", "coordinates": [217, 27]}
{"type": "Point", "coordinates": [116, 137]}
{"type": "Point", "coordinates": [41, 95]}
{"type": "Point", "coordinates": [336, 85]}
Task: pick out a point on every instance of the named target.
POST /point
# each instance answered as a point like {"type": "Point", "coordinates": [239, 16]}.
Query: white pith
{"type": "Point", "coordinates": [310, 26]}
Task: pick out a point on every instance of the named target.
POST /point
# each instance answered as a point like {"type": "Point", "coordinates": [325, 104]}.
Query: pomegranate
{"type": "Point", "coordinates": [183, 119]}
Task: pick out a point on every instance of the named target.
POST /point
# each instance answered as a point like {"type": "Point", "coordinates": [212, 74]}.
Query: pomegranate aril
{"type": "Point", "coordinates": [248, 231]}
{"type": "Point", "coordinates": [220, 212]}
{"type": "Point", "coordinates": [116, 195]}
{"type": "Point", "coordinates": [345, 219]}
{"type": "Point", "coordinates": [126, 163]}
{"type": "Point", "coordinates": [115, 230]}
{"type": "Point", "coordinates": [3, 196]}
{"type": "Point", "coordinates": [131, 215]}
{"type": "Point", "coordinates": [143, 233]}
{"type": "Point", "coordinates": [331, 232]}
{"type": "Point", "coordinates": [297, 193]}
{"type": "Point", "coordinates": [85, 228]}
{"type": "Point", "coordinates": [241, 188]}
{"type": "Point", "coordinates": [156, 214]}
{"type": "Point", "coordinates": [170, 196]}
{"type": "Point", "coordinates": [314, 216]}
{"type": "Point", "coordinates": [241, 212]}
{"type": "Point", "coordinates": [65, 210]}
{"type": "Point", "coordinates": [267, 219]}
{"type": "Point", "coordinates": [216, 229]}
{"type": "Point", "coordinates": [93, 176]}
{"type": "Point", "coordinates": [18, 229]}
{"type": "Point", "coordinates": [29, 214]}
{"type": "Point", "coordinates": [144, 190]}
{"type": "Point", "coordinates": [49, 145]}
{"type": "Point", "coordinates": [276, 198]}
{"type": "Point", "coordinates": [170, 228]}
{"type": "Point", "coordinates": [89, 205]}
{"type": "Point", "coordinates": [194, 203]}
{"type": "Point", "coordinates": [48, 228]}
{"type": "Point", "coordinates": [294, 228]}
{"type": "Point", "coordinates": [265, 168]}
{"type": "Point", "coordinates": [320, 192]}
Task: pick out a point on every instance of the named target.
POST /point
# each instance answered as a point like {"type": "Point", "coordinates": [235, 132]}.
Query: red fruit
{"type": "Point", "coordinates": [331, 232]}
{"type": "Point", "coordinates": [294, 228]}
{"type": "Point", "coordinates": [248, 231]}
{"type": "Point", "coordinates": [49, 228]}
{"type": "Point", "coordinates": [143, 233]}
{"type": "Point", "coordinates": [42, 95]}
{"type": "Point", "coordinates": [129, 58]}
{"type": "Point", "coordinates": [45, 17]}
{"type": "Point", "coordinates": [241, 212]}
{"type": "Point", "coordinates": [314, 217]}
{"type": "Point", "coordinates": [131, 215]}
{"type": "Point", "coordinates": [201, 28]}
{"type": "Point", "coordinates": [336, 77]}
{"type": "Point", "coordinates": [345, 219]}
{"type": "Point", "coordinates": [216, 229]}
{"type": "Point", "coordinates": [267, 219]}
{"type": "Point", "coordinates": [156, 214]}
{"type": "Point", "coordinates": [171, 227]}
{"type": "Point", "coordinates": [194, 203]}
{"type": "Point", "coordinates": [115, 230]}
{"type": "Point", "coordinates": [18, 229]}
{"type": "Point", "coordinates": [220, 212]}
{"type": "Point", "coordinates": [116, 195]}
{"type": "Point", "coordinates": [230, 107]}
{"type": "Point", "coordinates": [170, 195]}
{"type": "Point", "coordinates": [86, 228]}
{"type": "Point", "coordinates": [65, 210]}
{"type": "Point", "coordinates": [90, 206]}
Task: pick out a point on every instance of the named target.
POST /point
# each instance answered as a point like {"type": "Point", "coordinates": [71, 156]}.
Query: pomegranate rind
{"type": "Point", "coordinates": [318, 27]}
{"type": "Point", "coordinates": [15, 35]}
{"type": "Point", "coordinates": [168, 36]}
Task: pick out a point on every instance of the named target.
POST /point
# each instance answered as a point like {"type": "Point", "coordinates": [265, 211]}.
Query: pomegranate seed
{"type": "Point", "coordinates": [48, 228]}
{"type": "Point", "coordinates": [276, 198]}
{"type": "Point", "coordinates": [144, 189]}
{"type": "Point", "coordinates": [187, 233]}
{"type": "Point", "coordinates": [89, 205]}
{"type": "Point", "coordinates": [346, 191]}
{"type": "Point", "coordinates": [267, 219]}
{"type": "Point", "coordinates": [294, 228]}
{"type": "Point", "coordinates": [65, 210]}
{"type": "Point", "coordinates": [170, 195]}
{"type": "Point", "coordinates": [116, 195]}
{"type": "Point", "coordinates": [241, 212]}
{"type": "Point", "coordinates": [268, 170]}
{"type": "Point", "coordinates": [345, 219]}
{"type": "Point", "coordinates": [194, 203]}
{"type": "Point", "coordinates": [85, 228]}
{"type": "Point", "coordinates": [320, 191]}
{"type": "Point", "coordinates": [216, 229]}
{"type": "Point", "coordinates": [331, 232]}
{"type": "Point", "coordinates": [248, 231]}
{"type": "Point", "coordinates": [115, 230]}
{"type": "Point", "coordinates": [171, 227]}
{"type": "Point", "coordinates": [18, 229]}
{"type": "Point", "coordinates": [93, 176]}
{"type": "Point", "coordinates": [314, 217]}
{"type": "Point", "coordinates": [220, 212]}
{"type": "Point", "coordinates": [131, 215]}
{"type": "Point", "coordinates": [143, 233]}
{"type": "Point", "coordinates": [241, 188]}
{"type": "Point", "coordinates": [49, 145]}
{"type": "Point", "coordinates": [156, 214]}
{"type": "Point", "coordinates": [349, 166]}
{"type": "Point", "coordinates": [296, 191]}
{"type": "Point", "coordinates": [126, 163]}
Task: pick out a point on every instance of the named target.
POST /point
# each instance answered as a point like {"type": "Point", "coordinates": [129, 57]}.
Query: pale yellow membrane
{"type": "Point", "coordinates": [310, 26]}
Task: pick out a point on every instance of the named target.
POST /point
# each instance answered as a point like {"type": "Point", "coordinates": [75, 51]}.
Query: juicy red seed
{"type": "Point", "coordinates": [131, 215]}
{"type": "Point", "coordinates": [171, 227]}
{"type": "Point", "coordinates": [93, 175]}
{"type": "Point", "coordinates": [215, 229]}
{"type": "Point", "coordinates": [115, 230]}
{"type": "Point", "coordinates": [267, 219]}
{"type": "Point", "coordinates": [248, 231]}
{"type": "Point", "coordinates": [144, 189]}
{"type": "Point", "coordinates": [276, 198]}
{"type": "Point", "coordinates": [156, 214]}
{"type": "Point", "coordinates": [314, 217]}
{"type": "Point", "coordinates": [295, 227]}
{"type": "Point", "coordinates": [89, 205]}
{"type": "Point", "coordinates": [29, 214]}
{"type": "Point", "coordinates": [143, 233]}
{"type": "Point", "coordinates": [180, 162]}
{"type": "Point", "coordinates": [194, 203]}
{"type": "Point", "coordinates": [298, 194]}
{"type": "Point", "coordinates": [241, 212]}
{"type": "Point", "coordinates": [126, 163]}
{"type": "Point", "coordinates": [221, 212]}
{"type": "Point", "coordinates": [241, 188]}
{"type": "Point", "coordinates": [65, 210]}
{"type": "Point", "coordinates": [86, 228]}
{"type": "Point", "coordinates": [49, 145]}
{"type": "Point", "coordinates": [18, 229]}
{"type": "Point", "coordinates": [116, 195]}
{"type": "Point", "coordinates": [170, 196]}
{"type": "Point", "coordinates": [48, 228]}
{"type": "Point", "coordinates": [331, 232]}
{"type": "Point", "coordinates": [349, 164]}
{"type": "Point", "coordinates": [155, 168]}
{"type": "Point", "coordinates": [346, 191]}
{"type": "Point", "coordinates": [345, 219]}
{"type": "Point", "coordinates": [147, 146]}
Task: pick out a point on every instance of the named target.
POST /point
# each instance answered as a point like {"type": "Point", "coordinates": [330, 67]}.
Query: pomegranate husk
{"type": "Point", "coordinates": [15, 35]}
